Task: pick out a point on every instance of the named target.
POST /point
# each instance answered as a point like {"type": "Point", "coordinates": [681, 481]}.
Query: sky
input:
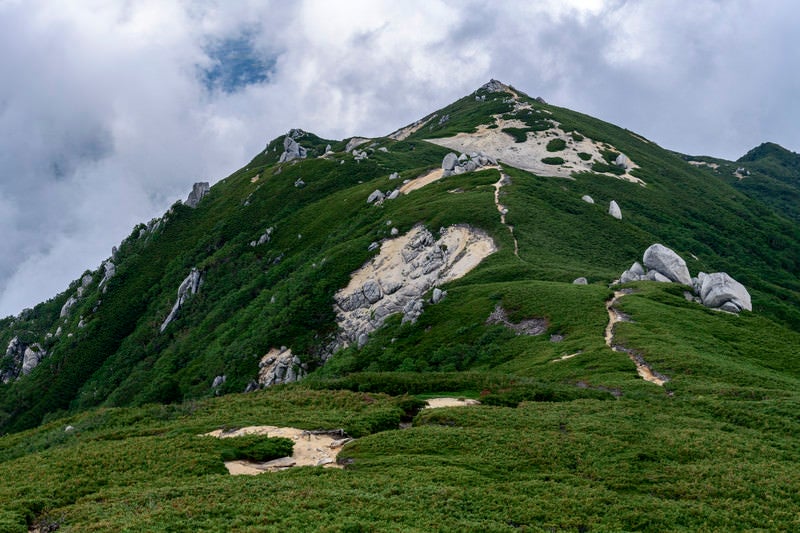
{"type": "Point", "coordinates": [110, 110]}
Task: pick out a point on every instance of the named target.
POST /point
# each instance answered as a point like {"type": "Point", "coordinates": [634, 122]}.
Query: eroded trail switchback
{"type": "Point", "coordinates": [644, 370]}
{"type": "Point", "coordinates": [504, 180]}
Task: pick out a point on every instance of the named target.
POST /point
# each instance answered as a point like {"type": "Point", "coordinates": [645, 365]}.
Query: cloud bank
{"type": "Point", "coordinates": [109, 111]}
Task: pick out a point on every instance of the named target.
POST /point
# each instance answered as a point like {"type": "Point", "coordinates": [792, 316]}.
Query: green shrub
{"type": "Point", "coordinates": [603, 167]}
{"type": "Point", "coordinates": [542, 393]}
{"type": "Point", "coordinates": [520, 135]}
{"type": "Point", "coordinates": [556, 145]}
{"type": "Point", "coordinates": [577, 137]}
{"type": "Point", "coordinates": [553, 160]}
{"type": "Point", "coordinates": [255, 448]}
{"type": "Point", "coordinates": [373, 421]}
{"type": "Point", "coordinates": [584, 156]}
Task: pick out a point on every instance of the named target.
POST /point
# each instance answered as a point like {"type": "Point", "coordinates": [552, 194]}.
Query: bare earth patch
{"type": "Point", "coordinates": [436, 403]}
{"type": "Point", "coordinates": [310, 449]}
{"type": "Point", "coordinates": [528, 326]}
{"type": "Point", "coordinates": [420, 182]}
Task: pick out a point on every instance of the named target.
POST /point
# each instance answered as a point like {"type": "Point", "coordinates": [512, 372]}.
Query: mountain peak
{"type": "Point", "coordinates": [769, 149]}
{"type": "Point", "coordinates": [495, 86]}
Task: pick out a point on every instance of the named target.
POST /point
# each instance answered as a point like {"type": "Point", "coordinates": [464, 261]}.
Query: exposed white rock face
{"type": "Point", "coordinates": [190, 285]}
{"type": "Point", "coordinates": [32, 357]}
{"type": "Point", "coordinates": [666, 262]}
{"type": "Point", "coordinates": [199, 190]}
{"type": "Point", "coordinates": [291, 148]}
{"type": "Point", "coordinates": [24, 358]}
{"type": "Point", "coordinates": [218, 380]}
{"type": "Point", "coordinates": [69, 304]}
{"type": "Point", "coordinates": [405, 269]}
{"type": "Point", "coordinates": [527, 155]}
{"type": "Point", "coordinates": [354, 142]}
{"type": "Point", "coordinates": [110, 270]}
{"type": "Point", "coordinates": [614, 210]}
{"type": "Point", "coordinates": [588, 199]}
{"type": "Point", "coordinates": [622, 161]}
{"type": "Point", "coordinates": [580, 281]}
{"type": "Point", "coordinates": [279, 366]}
{"type": "Point", "coordinates": [719, 290]}
{"type": "Point", "coordinates": [86, 280]}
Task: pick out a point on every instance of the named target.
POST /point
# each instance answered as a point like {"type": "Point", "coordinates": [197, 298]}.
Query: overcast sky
{"type": "Point", "coordinates": [110, 110]}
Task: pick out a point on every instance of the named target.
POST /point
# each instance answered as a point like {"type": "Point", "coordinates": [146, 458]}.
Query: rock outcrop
{"type": "Point", "coordinates": [110, 269]}
{"type": "Point", "coordinates": [68, 305]}
{"type": "Point", "coordinates": [279, 366]}
{"type": "Point", "coordinates": [588, 199]}
{"type": "Point", "coordinates": [623, 162]}
{"type": "Point", "coordinates": [190, 285]}
{"type": "Point", "coordinates": [20, 359]}
{"type": "Point", "coordinates": [199, 190]}
{"type": "Point", "coordinates": [614, 210]}
{"type": "Point", "coordinates": [717, 290]}
{"type": "Point", "coordinates": [454, 164]}
{"type": "Point", "coordinates": [397, 278]}
{"type": "Point", "coordinates": [291, 148]}
{"type": "Point", "coordinates": [666, 262]}
{"type": "Point", "coordinates": [375, 197]}
{"type": "Point", "coordinates": [354, 142]}
{"type": "Point", "coordinates": [264, 238]}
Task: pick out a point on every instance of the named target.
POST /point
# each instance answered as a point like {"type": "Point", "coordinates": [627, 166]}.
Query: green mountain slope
{"type": "Point", "coordinates": [568, 436]}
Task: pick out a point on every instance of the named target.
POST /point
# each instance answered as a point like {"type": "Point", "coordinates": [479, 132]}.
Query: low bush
{"type": "Point", "coordinates": [373, 421]}
{"type": "Point", "coordinates": [584, 156]}
{"type": "Point", "coordinates": [553, 160]}
{"type": "Point", "coordinates": [255, 448]}
{"type": "Point", "coordinates": [603, 167]}
{"type": "Point", "coordinates": [520, 135]}
{"type": "Point", "coordinates": [542, 393]}
{"type": "Point", "coordinates": [556, 145]}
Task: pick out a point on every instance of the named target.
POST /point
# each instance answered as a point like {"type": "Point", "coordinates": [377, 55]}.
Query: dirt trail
{"type": "Point", "coordinates": [310, 449]}
{"type": "Point", "coordinates": [642, 368]}
{"type": "Point", "coordinates": [504, 180]}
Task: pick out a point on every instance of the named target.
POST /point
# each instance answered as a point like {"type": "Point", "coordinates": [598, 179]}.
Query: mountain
{"type": "Point", "coordinates": [485, 251]}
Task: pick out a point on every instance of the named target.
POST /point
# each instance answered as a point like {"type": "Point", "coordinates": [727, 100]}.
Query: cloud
{"type": "Point", "coordinates": [109, 111]}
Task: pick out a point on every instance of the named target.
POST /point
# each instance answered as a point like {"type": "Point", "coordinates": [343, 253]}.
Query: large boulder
{"type": "Point", "coordinates": [449, 162]}
{"type": "Point", "coordinates": [614, 210]}
{"type": "Point", "coordinates": [719, 290]}
{"type": "Point", "coordinates": [279, 366]}
{"type": "Point", "coordinates": [667, 263]}
{"type": "Point", "coordinates": [375, 196]}
{"type": "Point", "coordinates": [588, 199]}
{"type": "Point", "coordinates": [622, 161]}
{"type": "Point", "coordinates": [291, 148]}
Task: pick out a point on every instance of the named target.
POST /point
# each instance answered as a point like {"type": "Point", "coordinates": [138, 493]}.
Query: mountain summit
{"type": "Point", "coordinates": [627, 316]}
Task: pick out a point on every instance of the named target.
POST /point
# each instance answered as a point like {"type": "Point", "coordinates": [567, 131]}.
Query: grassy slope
{"type": "Point", "coordinates": [693, 459]}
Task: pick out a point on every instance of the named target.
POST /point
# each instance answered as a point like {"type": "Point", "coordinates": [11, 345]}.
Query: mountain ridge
{"type": "Point", "coordinates": [498, 251]}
